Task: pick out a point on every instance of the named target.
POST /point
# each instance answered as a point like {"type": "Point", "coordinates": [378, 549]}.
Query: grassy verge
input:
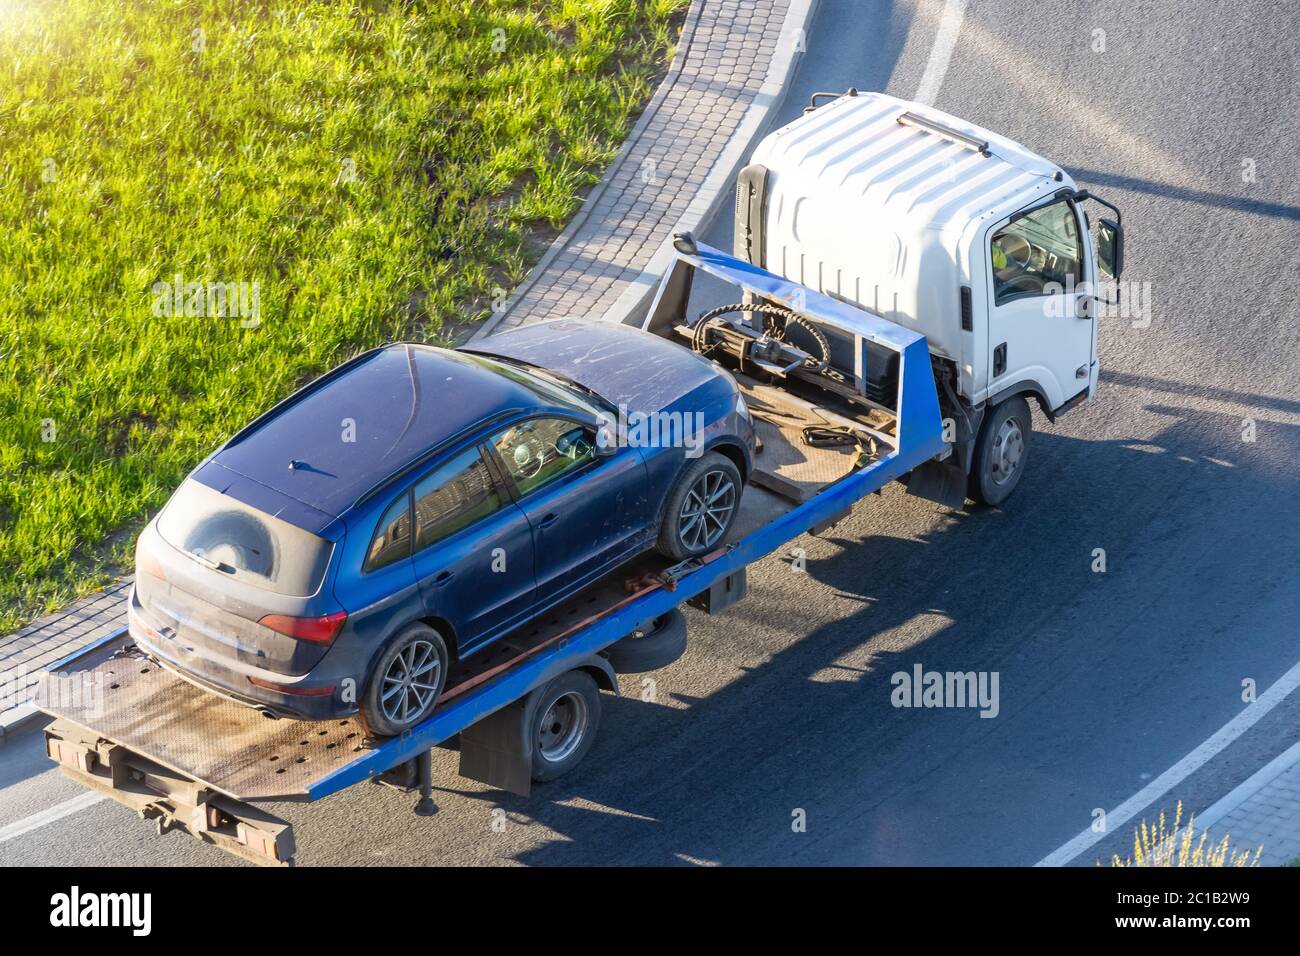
{"type": "Point", "coordinates": [204, 204]}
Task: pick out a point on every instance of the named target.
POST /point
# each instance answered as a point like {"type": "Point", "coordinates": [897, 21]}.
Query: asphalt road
{"type": "Point", "coordinates": [782, 705]}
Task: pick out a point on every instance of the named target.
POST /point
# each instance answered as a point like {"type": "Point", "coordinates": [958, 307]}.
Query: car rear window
{"type": "Point", "coordinates": [244, 542]}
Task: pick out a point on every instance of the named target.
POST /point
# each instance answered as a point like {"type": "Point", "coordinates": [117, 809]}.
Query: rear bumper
{"type": "Point", "coordinates": [235, 682]}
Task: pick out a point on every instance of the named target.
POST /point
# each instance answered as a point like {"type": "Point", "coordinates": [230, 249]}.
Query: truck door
{"type": "Point", "coordinates": [1040, 324]}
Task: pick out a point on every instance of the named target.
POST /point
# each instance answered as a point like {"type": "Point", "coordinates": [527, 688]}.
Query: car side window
{"type": "Point", "coordinates": [392, 540]}
{"type": "Point", "coordinates": [542, 450]}
{"type": "Point", "coordinates": [453, 497]}
{"type": "Point", "coordinates": [1036, 254]}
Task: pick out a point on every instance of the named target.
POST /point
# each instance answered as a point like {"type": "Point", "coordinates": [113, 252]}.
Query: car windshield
{"type": "Point", "coordinates": [243, 542]}
{"type": "Point", "coordinates": [547, 385]}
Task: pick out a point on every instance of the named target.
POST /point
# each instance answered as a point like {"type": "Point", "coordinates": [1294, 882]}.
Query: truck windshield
{"type": "Point", "coordinates": [245, 543]}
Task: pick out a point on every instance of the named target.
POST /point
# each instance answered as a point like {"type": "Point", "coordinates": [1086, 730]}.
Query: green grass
{"type": "Point", "coordinates": [375, 169]}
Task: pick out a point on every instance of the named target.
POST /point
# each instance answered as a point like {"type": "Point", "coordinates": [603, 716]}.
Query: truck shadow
{"type": "Point", "coordinates": [807, 722]}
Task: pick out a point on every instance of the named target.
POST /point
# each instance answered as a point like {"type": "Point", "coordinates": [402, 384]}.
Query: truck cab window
{"type": "Point", "coordinates": [1037, 254]}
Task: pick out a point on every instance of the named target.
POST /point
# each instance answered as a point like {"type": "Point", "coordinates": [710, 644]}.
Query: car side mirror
{"type": "Point", "coordinates": [605, 442]}
{"type": "Point", "coordinates": [1110, 248]}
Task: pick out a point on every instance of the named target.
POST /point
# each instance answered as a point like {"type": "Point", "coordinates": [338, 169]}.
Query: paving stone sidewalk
{"type": "Point", "coordinates": [26, 653]}
{"type": "Point", "coordinates": [1263, 811]}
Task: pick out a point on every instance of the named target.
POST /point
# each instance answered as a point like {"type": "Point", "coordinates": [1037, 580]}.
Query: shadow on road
{"type": "Point", "coordinates": [1199, 196]}
{"type": "Point", "coordinates": [1010, 590]}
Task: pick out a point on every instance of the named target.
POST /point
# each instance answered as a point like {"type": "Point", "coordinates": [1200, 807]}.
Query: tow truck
{"type": "Point", "coordinates": [846, 398]}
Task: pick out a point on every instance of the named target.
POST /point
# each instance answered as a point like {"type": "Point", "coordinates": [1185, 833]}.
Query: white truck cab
{"type": "Point", "coordinates": [950, 230]}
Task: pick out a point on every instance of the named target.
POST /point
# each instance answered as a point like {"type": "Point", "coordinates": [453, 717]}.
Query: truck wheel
{"type": "Point", "coordinates": [564, 724]}
{"type": "Point", "coordinates": [648, 650]}
{"type": "Point", "coordinates": [701, 508]}
{"type": "Point", "coordinates": [406, 681]}
{"type": "Point", "coordinates": [1000, 452]}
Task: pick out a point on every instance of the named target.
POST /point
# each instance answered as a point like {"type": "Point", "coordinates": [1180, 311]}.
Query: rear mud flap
{"type": "Point", "coordinates": [938, 481]}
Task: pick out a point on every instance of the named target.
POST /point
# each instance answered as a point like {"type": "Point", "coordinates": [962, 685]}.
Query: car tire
{"type": "Point", "coordinates": [663, 642]}
{"type": "Point", "coordinates": [679, 537]}
{"type": "Point", "coordinates": [566, 713]}
{"type": "Point", "coordinates": [1001, 452]}
{"type": "Point", "coordinates": [391, 704]}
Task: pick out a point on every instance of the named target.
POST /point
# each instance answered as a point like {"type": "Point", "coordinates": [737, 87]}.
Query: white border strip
{"type": "Point", "coordinates": [1180, 771]}
{"type": "Point", "coordinates": [945, 41]}
{"type": "Point", "coordinates": [50, 815]}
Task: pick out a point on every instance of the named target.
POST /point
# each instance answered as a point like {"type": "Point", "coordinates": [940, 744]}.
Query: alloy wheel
{"type": "Point", "coordinates": [707, 509]}
{"type": "Point", "coordinates": [411, 682]}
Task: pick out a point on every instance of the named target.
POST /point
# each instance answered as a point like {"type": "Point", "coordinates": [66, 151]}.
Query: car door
{"type": "Point", "coordinates": [473, 549]}
{"type": "Point", "coordinates": [588, 511]}
{"type": "Point", "coordinates": [1040, 320]}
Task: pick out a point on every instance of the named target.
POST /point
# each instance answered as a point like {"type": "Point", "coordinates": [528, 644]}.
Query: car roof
{"type": "Point", "coordinates": [356, 427]}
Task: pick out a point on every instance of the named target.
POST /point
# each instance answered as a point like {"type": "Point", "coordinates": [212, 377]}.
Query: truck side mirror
{"type": "Point", "coordinates": [1110, 248]}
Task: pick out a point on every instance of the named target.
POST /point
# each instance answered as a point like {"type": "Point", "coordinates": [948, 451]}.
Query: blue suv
{"type": "Point", "coordinates": [415, 504]}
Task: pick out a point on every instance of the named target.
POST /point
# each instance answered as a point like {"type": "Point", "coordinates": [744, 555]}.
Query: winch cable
{"type": "Point", "coordinates": [771, 328]}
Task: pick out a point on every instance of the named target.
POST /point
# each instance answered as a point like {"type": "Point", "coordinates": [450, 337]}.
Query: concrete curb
{"type": "Point", "coordinates": [708, 199]}
{"type": "Point", "coordinates": [16, 719]}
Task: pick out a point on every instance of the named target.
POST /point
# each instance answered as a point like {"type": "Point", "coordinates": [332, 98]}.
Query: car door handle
{"type": "Point", "coordinates": [548, 520]}
{"type": "Point", "coordinates": [440, 579]}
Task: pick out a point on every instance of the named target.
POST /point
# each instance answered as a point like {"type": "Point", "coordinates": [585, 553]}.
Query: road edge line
{"type": "Point", "coordinates": [50, 815]}
{"type": "Point", "coordinates": [1211, 747]}
{"type": "Point", "coordinates": [945, 42]}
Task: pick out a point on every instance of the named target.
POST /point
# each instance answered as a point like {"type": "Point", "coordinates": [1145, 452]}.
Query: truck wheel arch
{"type": "Point", "coordinates": [1027, 390]}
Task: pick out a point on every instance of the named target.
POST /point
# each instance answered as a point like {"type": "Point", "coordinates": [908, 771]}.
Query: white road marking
{"type": "Point", "coordinates": [1179, 771]}
{"type": "Point", "coordinates": [945, 41]}
{"type": "Point", "coordinates": [49, 815]}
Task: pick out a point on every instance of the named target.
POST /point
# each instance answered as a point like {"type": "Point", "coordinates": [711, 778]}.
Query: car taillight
{"type": "Point", "coordinates": [317, 630]}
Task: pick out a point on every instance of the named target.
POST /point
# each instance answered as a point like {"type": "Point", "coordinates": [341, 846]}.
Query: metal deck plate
{"type": "Point", "coordinates": [232, 748]}
{"type": "Point", "coordinates": [786, 464]}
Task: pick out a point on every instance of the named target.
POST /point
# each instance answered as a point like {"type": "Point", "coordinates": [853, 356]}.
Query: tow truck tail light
{"type": "Point", "coordinates": [315, 630]}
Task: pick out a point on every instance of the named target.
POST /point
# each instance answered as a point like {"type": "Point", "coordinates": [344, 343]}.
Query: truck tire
{"type": "Point", "coordinates": [392, 702]}
{"type": "Point", "coordinates": [648, 650]}
{"type": "Point", "coordinates": [1001, 451]}
{"type": "Point", "coordinates": [565, 717]}
{"type": "Point", "coordinates": [701, 508]}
